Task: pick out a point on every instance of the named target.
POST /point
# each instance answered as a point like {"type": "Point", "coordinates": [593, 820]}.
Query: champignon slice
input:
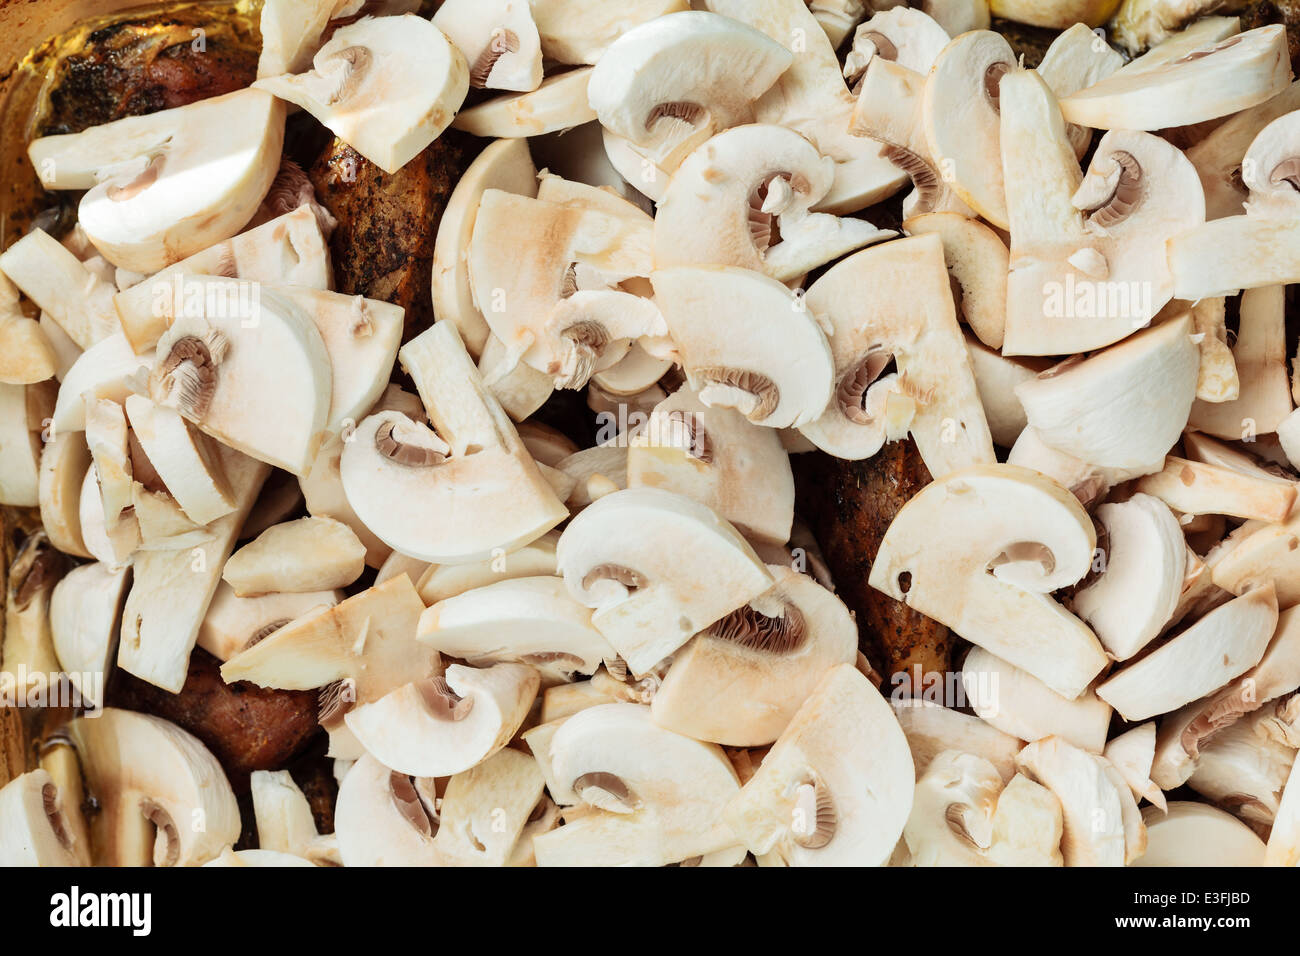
{"type": "Point", "coordinates": [1243, 770]}
{"type": "Point", "coordinates": [648, 796]}
{"type": "Point", "coordinates": [106, 369]}
{"type": "Point", "coordinates": [27, 644]}
{"type": "Point", "coordinates": [498, 39]}
{"type": "Point", "coordinates": [580, 31]}
{"type": "Point", "coordinates": [184, 458]}
{"type": "Point", "coordinates": [152, 782]}
{"type": "Point", "coordinates": [65, 461]}
{"type": "Point", "coordinates": [1132, 754]}
{"type": "Point", "coordinates": [951, 823]}
{"type": "Point", "coordinates": [33, 831]}
{"type": "Point", "coordinates": [234, 623]}
{"type": "Point", "coordinates": [1195, 834]}
{"type": "Point", "coordinates": [1195, 488]}
{"type": "Point", "coordinates": [1075, 60]}
{"type": "Point", "coordinates": [977, 261]}
{"type": "Point", "coordinates": [443, 581]}
{"type": "Point", "coordinates": [76, 299]}
{"type": "Point", "coordinates": [931, 729]}
{"type": "Point", "coordinates": [309, 554]}
{"type": "Point", "coordinates": [1027, 825]}
{"type": "Point", "coordinates": [1154, 27]}
{"type": "Point", "coordinates": [85, 612]}
{"type": "Point", "coordinates": [21, 462]}
{"type": "Point", "coordinates": [740, 681]}
{"type": "Point", "coordinates": [907, 36]}
{"type": "Point", "coordinates": [144, 209]}
{"type": "Point", "coordinates": [836, 787]}
{"type": "Point", "coordinates": [386, 86]}
{"type": "Point", "coordinates": [644, 588]}
{"type": "Point", "coordinates": [116, 548]}
{"type": "Point", "coordinates": [1032, 535]}
{"type": "Point", "coordinates": [560, 103]}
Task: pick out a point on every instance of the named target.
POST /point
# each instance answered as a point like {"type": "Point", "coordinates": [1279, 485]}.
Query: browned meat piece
{"type": "Point", "coordinates": [245, 726]}
{"type": "Point", "coordinates": [383, 245]}
{"type": "Point", "coordinates": [848, 505]}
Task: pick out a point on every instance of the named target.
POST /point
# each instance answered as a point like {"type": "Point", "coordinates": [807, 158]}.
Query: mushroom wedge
{"type": "Point", "coordinates": [754, 186]}
{"type": "Point", "coordinates": [108, 369]}
{"type": "Point", "coordinates": [162, 796]}
{"type": "Point", "coordinates": [498, 40]}
{"type": "Point", "coordinates": [836, 787]}
{"type": "Point", "coordinates": [1074, 61]}
{"type": "Point", "coordinates": [442, 581]}
{"type": "Point", "coordinates": [740, 681]}
{"type": "Point", "coordinates": [20, 439]}
{"type": "Point", "coordinates": [1195, 834]}
{"type": "Point", "coordinates": [233, 624]}
{"type": "Point", "coordinates": [1132, 753]}
{"type": "Point", "coordinates": [26, 354]}
{"type": "Point", "coordinates": [931, 729]}
{"type": "Point", "coordinates": [560, 103]}
{"type": "Point", "coordinates": [951, 823]}
{"type": "Point", "coordinates": [164, 186]}
{"type": "Point", "coordinates": [762, 352]}
{"type": "Point", "coordinates": [580, 31]}
{"type": "Point", "coordinates": [309, 554]}
{"type": "Point", "coordinates": [33, 831]}
{"type": "Point", "coordinates": [27, 651]}
{"type": "Point", "coordinates": [108, 439]}
{"type": "Point", "coordinates": [386, 86]}
{"type": "Point", "coordinates": [530, 620]}
{"type": "Point", "coordinates": [1243, 770]}
{"type": "Point", "coordinates": [1033, 536]}
{"type": "Point", "coordinates": [649, 796]}
{"type": "Point", "coordinates": [905, 35]}
{"type": "Point", "coordinates": [894, 303]}
{"type": "Point", "coordinates": [1197, 488]}
{"type": "Point", "coordinates": [65, 462]}
{"type": "Point", "coordinates": [77, 300]}
{"type": "Point", "coordinates": [393, 458]}
{"type": "Point", "coordinates": [183, 457]}
{"type": "Point", "coordinates": [978, 262]}
{"type": "Point", "coordinates": [1162, 31]}
{"type": "Point", "coordinates": [644, 590]}
{"type": "Point", "coordinates": [85, 614]}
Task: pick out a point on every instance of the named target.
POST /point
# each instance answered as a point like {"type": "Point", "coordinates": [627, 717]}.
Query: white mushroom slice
{"type": "Point", "coordinates": [267, 858]}
{"type": "Point", "coordinates": [115, 548]}
{"type": "Point", "coordinates": [184, 458]}
{"type": "Point", "coordinates": [310, 554]}
{"type": "Point", "coordinates": [160, 525]}
{"type": "Point", "coordinates": [1260, 552]}
{"type": "Point", "coordinates": [1264, 399]}
{"type": "Point", "coordinates": [166, 185]}
{"type": "Point", "coordinates": [1143, 569]}
{"type": "Point", "coordinates": [446, 725]}
{"type": "Point", "coordinates": [645, 589]}
{"type": "Point", "coordinates": [443, 581]}
{"type": "Point", "coordinates": [1212, 81]}
{"type": "Point", "coordinates": [85, 610]}
{"type": "Point", "coordinates": [530, 620]}
{"type": "Point", "coordinates": [931, 728]}
{"type": "Point", "coordinates": [291, 32]}
{"type": "Point", "coordinates": [1027, 826]}
{"type": "Point", "coordinates": [636, 166]}
{"type": "Point", "coordinates": [1196, 488]}
{"type": "Point", "coordinates": [719, 458]}
{"type": "Point", "coordinates": [1243, 770]}
{"type": "Point", "coordinates": [110, 452]}
{"type": "Point", "coordinates": [498, 40]}
{"type": "Point", "coordinates": [1195, 834]}
{"type": "Point", "coordinates": [1054, 14]}
{"type": "Point", "coordinates": [397, 563]}
{"type": "Point", "coordinates": [171, 589]}
{"type": "Point", "coordinates": [1024, 707]}
{"type": "Point", "coordinates": [1093, 801]}
{"type": "Point", "coordinates": [234, 624]}
{"type": "Point", "coordinates": [894, 302]}
{"type": "Point", "coordinates": [580, 31]}
{"type": "Point", "coordinates": [393, 458]}
{"type": "Point", "coordinates": [996, 378]}
{"type": "Point", "coordinates": [740, 681]}
{"type": "Point", "coordinates": [107, 370]}
{"type": "Point", "coordinates": [1034, 537]}
{"type": "Point", "coordinates": [547, 445]}
{"type": "Point", "coordinates": [762, 352]}
{"type": "Point", "coordinates": [152, 782]}
{"type": "Point", "coordinates": [27, 644]}
{"type": "Point", "coordinates": [1132, 754]}
{"type": "Point", "coordinates": [505, 165]}
{"type": "Point", "coordinates": [670, 83]}
{"type": "Point", "coordinates": [76, 299]}
{"type": "Point", "coordinates": [1143, 24]}
{"type": "Point", "coordinates": [288, 250]}
{"type": "Point", "coordinates": [1283, 848]}
{"type": "Point", "coordinates": [33, 830]}
{"type": "Point", "coordinates": [1076, 60]}
{"type": "Point", "coordinates": [650, 796]}
{"type": "Point", "coordinates": [836, 788]}
{"type": "Point", "coordinates": [1200, 447]}
{"type": "Point", "coordinates": [907, 36]}
{"type": "Point", "coordinates": [560, 103]}
{"type": "Point", "coordinates": [26, 355]}
{"type": "Point", "coordinates": [386, 86]}
{"type": "Point", "coordinates": [951, 823]}
{"type": "Point", "coordinates": [1219, 647]}
{"type": "Point", "coordinates": [592, 329]}
{"type": "Point", "coordinates": [285, 824]}
{"type": "Point", "coordinates": [754, 185]}
{"type": "Point", "coordinates": [65, 461]}
{"type": "Point", "coordinates": [20, 449]}
{"type": "Point", "coordinates": [977, 261]}
{"type": "Point", "coordinates": [520, 388]}
{"type": "Point", "coordinates": [1123, 407]}
{"type": "Point", "coordinates": [636, 372]}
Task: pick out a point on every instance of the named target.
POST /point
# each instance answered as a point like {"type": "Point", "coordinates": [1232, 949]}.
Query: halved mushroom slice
{"type": "Point", "coordinates": [1107, 409]}
{"type": "Point", "coordinates": [741, 680]}
{"type": "Point", "coordinates": [1024, 707]}
{"type": "Point", "coordinates": [1027, 825]}
{"type": "Point", "coordinates": [33, 831]}
{"type": "Point", "coordinates": [1032, 535]}
{"type": "Point", "coordinates": [1197, 488]}
{"type": "Point", "coordinates": [1243, 770]}
{"type": "Point", "coordinates": [505, 165]}
{"type": "Point", "coordinates": [1222, 645]}
{"type": "Point", "coordinates": [85, 611]}
{"type": "Point", "coordinates": [108, 369]}
{"type": "Point", "coordinates": [114, 548]}
{"type": "Point", "coordinates": [234, 624]}
{"type": "Point", "coordinates": [931, 729]}
{"type": "Point", "coordinates": [26, 354]}
{"type": "Point", "coordinates": [647, 796]}
{"type": "Point", "coordinates": [392, 458]}
{"type": "Point", "coordinates": [183, 457]}
{"type": "Point", "coordinates": [547, 445]}
{"type": "Point", "coordinates": [171, 589]}
{"type": "Point", "coordinates": [904, 35]}
{"type": "Point", "coordinates": [1095, 803]}
{"type": "Point", "coordinates": [27, 644]}
{"type": "Point", "coordinates": [531, 620]}
{"type": "Point", "coordinates": [836, 787]}
{"type": "Point", "coordinates": [153, 784]}
{"type": "Point", "coordinates": [21, 462]}
{"type": "Point", "coordinates": [560, 103]}
{"type": "Point", "coordinates": [977, 261]}
{"type": "Point", "coordinates": [1196, 834]}
{"type": "Point", "coordinates": [242, 339]}
{"type": "Point", "coordinates": [590, 330]}
{"type": "Point", "coordinates": [285, 824]}
{"type": "Point", "coordinates": [1132, 753]}
{"type": "Point", "coordinates": [1283, 848]}
{"type": "Point", "coordinates": [644, 589]}
{"type": "Point", "coordinates": [996, 378]}
{"type": "Point", "coordinates": [386, 86]}
{"type": "Point", "coordinates": [951, 823]}
{"type": "Point", "coordinates": [445, 725]}
{"type": "Point", "coordinates": [1264, 397]}
{"type": "Point", "coordinates": [230, 857]}
{"type": "Point", "coordinates": [636, 166]}
{"type": "Point", "coordinates": [754, 185]}
{"type": "Point", "coordinates": [580, 31]}
{"type": "Point", "coordinates": [166, 185]}
{"type": "Point", "coordinates": [1076, 60]}
{"type": "Point", "coordinates": [1199, 447]}
{"type": "Point", "coordinates": [1214, 80]}
{"type": "Point", "coordinates": [719, 458]}
{"type": "Point", "coordinates": [1142, 575]}
{"type": "Point", "coordinates": [762, 352]}
{"type": "Point", "coordinates": [443, 581]}
{"type": "Point", "coordinates": [309, 554]}
{"type": "Point", "coordinates": [634, 374]}
{"type": "Point", "coordinates": [110, 452]}
{"type": "Point", "coordinates": [75, 298]}
{"type": "Point", "coordinates": [291, 32]}
{"type": "Point", "coordinates": [65, 460]}
{"type": "Point", "coordinates": [520, 388]}
{"type": "Point", "coordinates": [1155, 27]}
{"type": "Point", "coordinates": [894, 303]}
{"type": "Point", "coordinates": [498, 40]}
{"type": "Point", "coordinates": [289, 250]}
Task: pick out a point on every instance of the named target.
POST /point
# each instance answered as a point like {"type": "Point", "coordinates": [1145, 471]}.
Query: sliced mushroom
{"type": "Point", "coordinates": [1195, 488]}
{"type": "Point", "coordinates": [309, 554]}
{"type": "Point", "coordinates": [85, 613]}
{"type": "Point", "coordinates": [234, 623]}
{"type": "Point", "coordinates": [1027, 825]}
{"type": "Point", "coordinates": [115, 548]}
{"type": "Point", "coordinates": [1143, 25]}
{"type": "Point", "coordinates": [931, 729]}
{"type": "Point", "coordinates": [73, 297]}
{"type": "Point", "coordinates": [498, 40]}
{"type": "Point", "coordinates": [1194, 834]}
{"type": "Point", "coordinates": [26, 354]}
{"type": "Point", "coordinates": [27, 644]}
{"type": "Point", "coordinates": [184, 458]}
{"type": "Point", "coordinates": [443, 581]}
{"type": "Point", "coordinates": [108, 369]}
{"type": "Point", "coordinates": [951, 823]}
{"type": "Point", "coordinates": [580, 31]}
{"type": "Point", "coordinates": [1132, 754]}
{"type": "Point", "coordinates": [1243, 770]}
{"type": "Point", "coordinates": [1076, 60]}
{"type": "Point", "coordinates": [21, 462]}
{"type": "Point", "coordinates": [905, 35]}
{"type": "Point", "coordinates": [65, 461]}
{"type": "Point", "coordinates": [520, 388]}
{"type": "Point", "coordinates": [977, 261]}
{"type": "Point", "coordinates": [34, 832]}
{"type": "Point", "coordinates": [285, 824]}
{"type": "Point", "coordinates": [560, 103]}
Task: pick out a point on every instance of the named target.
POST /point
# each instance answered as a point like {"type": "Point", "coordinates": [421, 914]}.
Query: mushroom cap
{"type": "Point", "coordinates": [383, 818]}
{"type": "Point", "coordinates": [34, 832]}
{"type": "Point", "coordinates": [1195, 834]}
{"type": "Point", "coordinates": [951, 823]}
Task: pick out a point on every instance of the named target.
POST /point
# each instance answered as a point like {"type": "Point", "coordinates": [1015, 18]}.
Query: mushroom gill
{"type": "Point", "coordinates": [752, 394]}
{"type": "Point", "coordinates": [750, 628]}
{"type": "Point", "coordinates": [406, 443]}
{"type": "Point", "coordinates": [50, 802]}
{"type": "Point", "coordinates": [167, 844]}
{"type": "Point", "coordinates": [583, 343]}
{"type": "Point", "coordinates": [993, 74]}
{"type": "Point", "coordinates": [503, 41]}
{"type": "Point", "coordinates": [407, 800]}
{"type": "Point", "coordinates": [187, 377]}
{"type": "Point", "coordinates": [607, 791]}
{"type": "Point", "coordinates": [684, 430]}
{"type": "Point", "coordinates": [684, 111]}
{"type": "Point", "coordinates": [1125, 180]}
{"type": "Point", "coordinates": [345, 70]}
{"type": "Point", "coordinates": [851, 393]}
{"type": "Point", "coordinates": [443, 702]}
{"type": "Point", "coordinates": [925, 178]}
{"type": "Point", "coordinates": [147, 177]}
{"type": "Point", "coordinates": [813, 818]}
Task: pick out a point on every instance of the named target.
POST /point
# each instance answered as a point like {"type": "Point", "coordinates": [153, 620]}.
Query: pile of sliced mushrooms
{"type": "Point", "coordinates": [528, 652]}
